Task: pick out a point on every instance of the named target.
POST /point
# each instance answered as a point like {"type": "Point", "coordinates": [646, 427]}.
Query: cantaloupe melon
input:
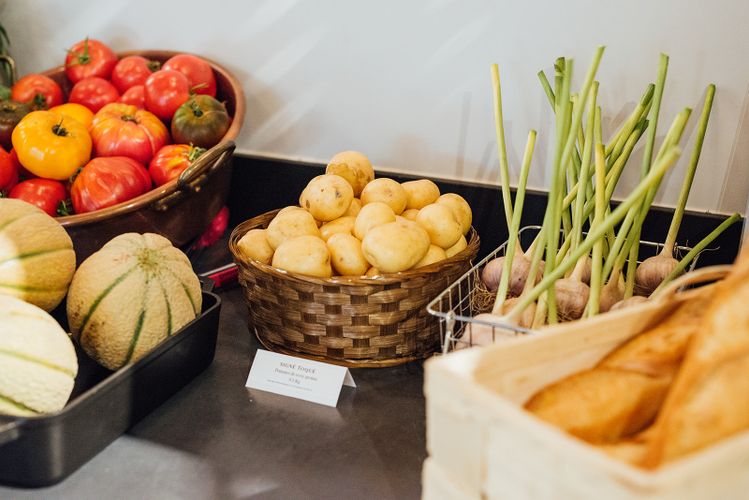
{"type": "Point", "coordinates": [37, 260]}
{"type": "Point", "coordinates": [129, 296]}
{"type": "Point", "coordinates": [38, 364]}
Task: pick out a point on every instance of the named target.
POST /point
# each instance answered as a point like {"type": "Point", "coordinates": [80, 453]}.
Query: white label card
{"type": "Point", "coordinates": [298, 377]}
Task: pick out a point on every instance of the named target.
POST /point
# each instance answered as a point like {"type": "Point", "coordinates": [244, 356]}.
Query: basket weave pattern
{"type": "Point", "coordinates": [347, 320]}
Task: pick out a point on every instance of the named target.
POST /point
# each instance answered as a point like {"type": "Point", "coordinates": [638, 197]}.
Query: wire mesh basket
{"type": "Point", "coordinates": [457, 306]}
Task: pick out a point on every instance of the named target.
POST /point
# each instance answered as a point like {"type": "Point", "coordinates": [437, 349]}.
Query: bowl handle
{"type": "Point", "coordinates": [7, 61]}
{"type": "Point", "coordinates": [9, 431]}
{"type": "Point", "coordinates": [192, 179]}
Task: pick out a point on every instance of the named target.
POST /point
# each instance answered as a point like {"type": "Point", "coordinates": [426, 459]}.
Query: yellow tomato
{"type": "Point", "coordinates": [51, 145]}
{"type": "Point", "coordinates": [75, 111]}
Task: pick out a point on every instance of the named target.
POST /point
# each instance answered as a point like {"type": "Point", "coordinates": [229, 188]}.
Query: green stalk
{"type": "Point", "coordinates": [647, 158]}
{"type": "Point", "coordinates": [598, 232]}
{"type": "Point", "coordinates": [660, 83]}
{"type": "Point", "coordinates": [689, 257]}
{"type": "Point", "coordinates": [637, 216]}
{"type": "Point", "coordinates": [569, 144]}
{"type": "Point", "coordinates": [597, 260]}
{"type": "Point", "coordinates": [556, 185]}
{"type": "Point", "coordinates": [577, 220]}
{"type": "Point", "coordinates": [673, 230]}
{"type": "Point", "coordinates": [615, 148]}
{"type": "Point", "coordinates": [634, 253]}
{"type": "Point", "coordinates": [517, 213]}
{"type": "Point", "coordinates": [504, 167]}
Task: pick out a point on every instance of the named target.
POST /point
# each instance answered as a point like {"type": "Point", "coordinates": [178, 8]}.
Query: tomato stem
{"type": "Point", "coordinates": [59, 129]}
{"type": "Point", "coordinates": [194, 152]}
{"type": "Point", "coordinates": [195, 108]}
{"type": "Point", "coordinates": [65, 208]}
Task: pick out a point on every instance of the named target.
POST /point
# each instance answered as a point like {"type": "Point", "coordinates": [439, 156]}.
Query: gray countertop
{"type": "Point", "coordinates": [217, 439]}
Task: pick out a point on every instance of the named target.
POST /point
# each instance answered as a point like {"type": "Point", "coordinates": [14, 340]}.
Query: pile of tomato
{"type": "Point", "coordinates": [128, 125]}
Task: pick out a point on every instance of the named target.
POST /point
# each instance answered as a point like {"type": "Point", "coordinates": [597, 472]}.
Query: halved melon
{"type": "Point", "coordinates": [37, 260]}
{"type": "Point", "coordinates": [38, 364]}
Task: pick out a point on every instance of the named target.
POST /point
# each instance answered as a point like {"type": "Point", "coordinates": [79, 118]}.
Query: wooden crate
{"type": "Point", "coordinates": [483, 444]}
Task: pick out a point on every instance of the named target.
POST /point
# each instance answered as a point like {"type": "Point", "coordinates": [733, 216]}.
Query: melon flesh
{"type": "Point", "coordinates": [129, 296]}
{"type": "Point", "coordinates": [38, 364]}
{"type": "Point", "coordinates": [37, 260]}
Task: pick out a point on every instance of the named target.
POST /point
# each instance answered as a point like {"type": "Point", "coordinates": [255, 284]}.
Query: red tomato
{"type": "Point", "coordinates": [8, 171]}
{"type": "Point", "coordinates": [104, 182]}
{"type": "Point", "coordinates": [94, 93]}
{"type": "Point", "coordinates": [134, 96]}
{"type": "Point", "coordinates": [165, 91]}
{"type": "Point", "coordinates": [47, 194]}
{"type": "Point", "coordinates": [170, 161]}
{"type": "Point", "coordinates": [89, 58]}
{"type": "Point", "coordinates": [40, 91]}
{"type": "Point", "coordinates": [131, 71]}
{"type": "Point", "coordinates": [124, 130]}
{"type": "Point", "coordinates": [198, 72]}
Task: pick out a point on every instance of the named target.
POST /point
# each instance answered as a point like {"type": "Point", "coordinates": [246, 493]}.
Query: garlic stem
{"type": "Point", "coordinates": [504, 168]}
{"type": "Point", "coordinates": [599, 231]}
{"type": "Point", "coordinates": [597, 263]}
{"type": "Point", "coordinates": [510, 250]}
{"type": "Point", "coordinates": [673, 230]}
{"type": "Point", "coordinates": [689, 257]}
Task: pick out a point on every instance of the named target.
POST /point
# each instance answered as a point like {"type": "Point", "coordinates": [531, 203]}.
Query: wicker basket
{"type": "Point", "coordinates": [352, 321]}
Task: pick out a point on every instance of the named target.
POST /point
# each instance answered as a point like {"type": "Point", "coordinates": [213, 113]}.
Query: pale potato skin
{"type": "Point", "coordinates": [343, 224]}
{"type": "Point", "coordinates": [254, 244]}
{"type": "Point", "coordinates": [461, 209]}
{"type": "Point", "coordinates": [461, 245]}
{"type": "Point", "coordinates": [291, 222]}
{"type": "Point", "coordinates": [352, 166]}
{"type": "Point", "coordinates": [420, 193]}
{"type": "Point", "coordinates": [387, 191]}
{"type": "Point", "coordinates": [354, 208]}
{"type": "Point", "coordinates": [346, 255]}
{"type": "Point", "coordinates": [410, 214]}
{"type": "Point", "coordinates": [434, 254]}
{"type": "Point", "coordinates": [372, 215]}
{"type": "Point", "coordinates": [327, 197]}
{"type": "Point", "coordinates": [372, 272]}
{"type": "Point", "coordinates": [395, 246]}
{"type": "Point", "coordinates": [439, 221]}
{"type": "Point", "coordinates": [306, 255]}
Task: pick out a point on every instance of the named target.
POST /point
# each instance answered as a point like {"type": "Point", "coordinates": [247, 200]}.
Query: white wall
{"type": "Point", "coordinates": [408, 82]}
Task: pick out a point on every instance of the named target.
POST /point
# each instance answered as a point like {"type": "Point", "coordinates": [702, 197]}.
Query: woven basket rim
{"type": "Point", "coordinates": [383, 279]}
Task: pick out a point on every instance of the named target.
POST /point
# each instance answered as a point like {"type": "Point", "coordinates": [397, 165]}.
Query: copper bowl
{"type": "Point", "coordinates": [179, 210]}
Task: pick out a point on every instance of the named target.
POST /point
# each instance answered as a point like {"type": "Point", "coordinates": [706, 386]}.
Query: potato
{"type": "Point", "coordinates": [370, 216]}
{"type": "Point", "coordinates": [352, 166]}
{"type": "Point", "coordinates": [307, 255]}
{"type": "Point", "coordinates": [372, 272]}
{"type": "Point", "coordinates": [410, 214]}
{"type": "Point", "coordinates": [354, 208]}
{"type": "Point", "coordinates": [420, 193]}
{"type": "Point", "coordinates": [457, 248]}
{"type": "Point", "coordinates": [346, 255]}
{"type": "Point", "coordinates": [327, 197]}
{"type": "Point", "coordinates": [254, 244]}
{"type": "Point", "coordinates": [439, 221]}
{"type": "Point", "coordinates": [460, 207]}
{"type": "Point", "coordinates": [395, 246]}
{"type": "Point", "coordinates": [343, 224]}
{"type": "Point", "coordinates": [387, 191]}
{"type": "Point", "coordinates": [290, 223]}
{"type": "Point", "coordinates": [433, 255]}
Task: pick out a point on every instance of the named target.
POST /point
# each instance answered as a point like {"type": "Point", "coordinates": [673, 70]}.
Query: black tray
{"type": "Point", "coordinates": [41, 451]}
